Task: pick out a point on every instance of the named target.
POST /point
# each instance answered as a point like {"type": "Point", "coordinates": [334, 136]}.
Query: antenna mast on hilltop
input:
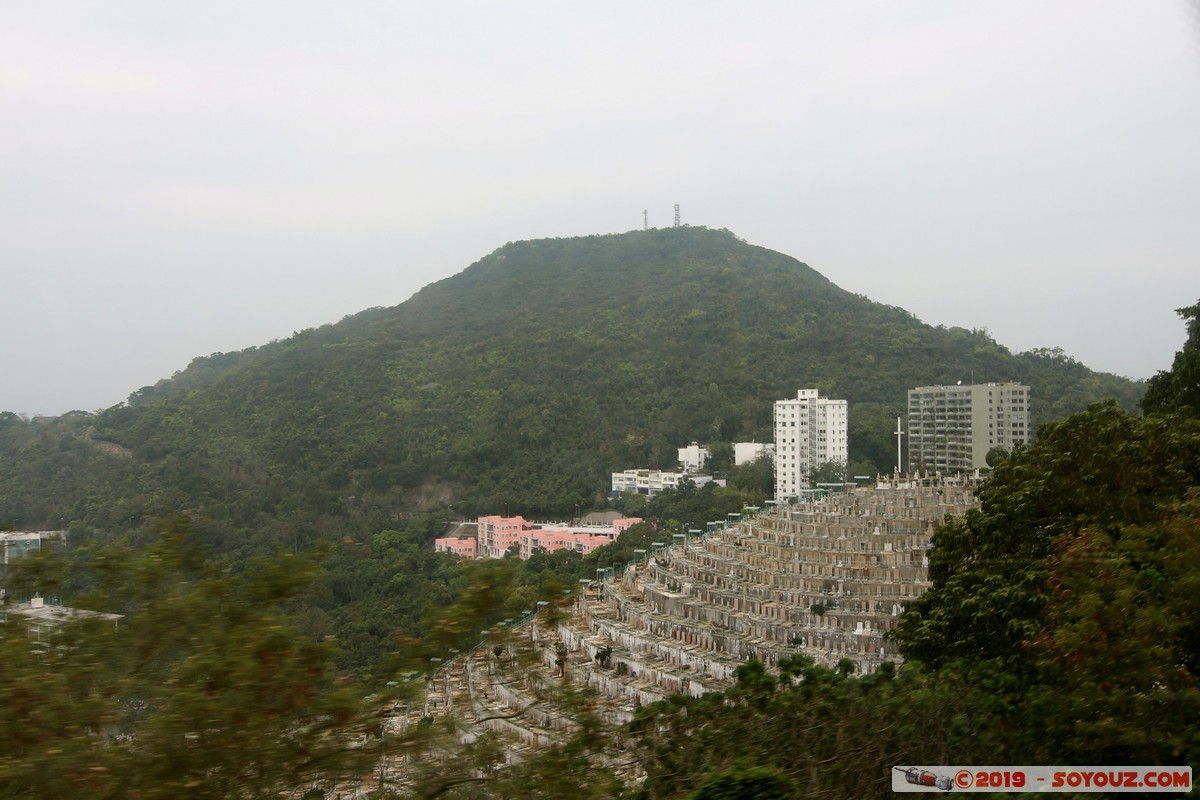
{"type": "Point", "coordinates": [677, 215]}
{"type": "Point", "coordinates": [645, 220]}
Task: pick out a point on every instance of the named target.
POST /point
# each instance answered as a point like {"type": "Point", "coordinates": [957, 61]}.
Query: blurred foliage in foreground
{"type": "Point", "coordinates": [202, 690]}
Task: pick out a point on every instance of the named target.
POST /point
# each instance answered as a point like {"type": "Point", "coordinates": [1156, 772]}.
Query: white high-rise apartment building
{"type": "Point", "coordinates": [952, 428]}
{"type": "Point", "coordinates": [809, 431]}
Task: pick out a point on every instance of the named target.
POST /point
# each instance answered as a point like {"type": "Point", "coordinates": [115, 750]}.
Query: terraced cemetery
{"type": "Point", "coordinates": [824, 578]}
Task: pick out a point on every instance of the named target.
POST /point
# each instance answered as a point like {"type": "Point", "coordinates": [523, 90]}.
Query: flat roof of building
{"type": "Point", "coordinates": [55, 614]}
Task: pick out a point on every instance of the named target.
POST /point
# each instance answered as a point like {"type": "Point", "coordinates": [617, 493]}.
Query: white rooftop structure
{"type": "Point", "coordinates": [749, 452]}
{"type": "Point", "coordinates": [42, 616]}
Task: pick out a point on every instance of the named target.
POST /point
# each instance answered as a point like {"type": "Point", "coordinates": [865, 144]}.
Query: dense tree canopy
{"type": "Point", "coordinates": [1104, 469]}
{"type": "Point", "coordinates": [1178, 389]}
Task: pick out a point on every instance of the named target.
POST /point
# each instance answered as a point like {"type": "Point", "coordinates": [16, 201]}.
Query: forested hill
{"type": "Point", "coordinates": [518, 384]}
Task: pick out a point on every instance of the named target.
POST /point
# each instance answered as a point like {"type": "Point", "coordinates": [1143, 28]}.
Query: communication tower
{"type": "Point", "coordinates": [677, 215]}
{"type": "Point", "coordinates": [645, 220]}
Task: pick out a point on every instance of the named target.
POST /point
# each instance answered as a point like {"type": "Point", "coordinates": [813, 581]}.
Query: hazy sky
{"type": "Point", "coordinates": [178, 179]}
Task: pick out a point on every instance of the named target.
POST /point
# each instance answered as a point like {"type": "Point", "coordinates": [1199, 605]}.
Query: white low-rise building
{"type": "Point", "coordinates": [749, 452]}
{"type": "Point", "coordinates": [42, 618]}
{"type": "Point", "coordinates": [651, 481]}
{"type": "Point", "coordinates": [694, 457]}
{"type": "Point", "coordinates": [13, 545]}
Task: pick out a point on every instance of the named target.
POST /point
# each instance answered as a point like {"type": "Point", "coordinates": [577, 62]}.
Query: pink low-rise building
{"type": "Point", "coordinates": [553, 539]}
{"type": "Point", "coordinates": [497, 536]}
{"type": "Point", "coordinates": [466, 546]}
{"type": "Point", "coordinates": [624, 524]}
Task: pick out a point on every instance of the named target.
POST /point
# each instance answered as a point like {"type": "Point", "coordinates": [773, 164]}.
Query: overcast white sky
{"type": "Point", "coordinates": [178, 179]}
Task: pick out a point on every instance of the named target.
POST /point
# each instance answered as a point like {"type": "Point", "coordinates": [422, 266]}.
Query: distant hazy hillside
{"type": "Point", "coordinates": [519, 383]}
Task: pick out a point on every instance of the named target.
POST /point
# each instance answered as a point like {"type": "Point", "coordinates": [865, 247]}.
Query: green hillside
{"type": "Point", "coordinates": [517, 384]}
